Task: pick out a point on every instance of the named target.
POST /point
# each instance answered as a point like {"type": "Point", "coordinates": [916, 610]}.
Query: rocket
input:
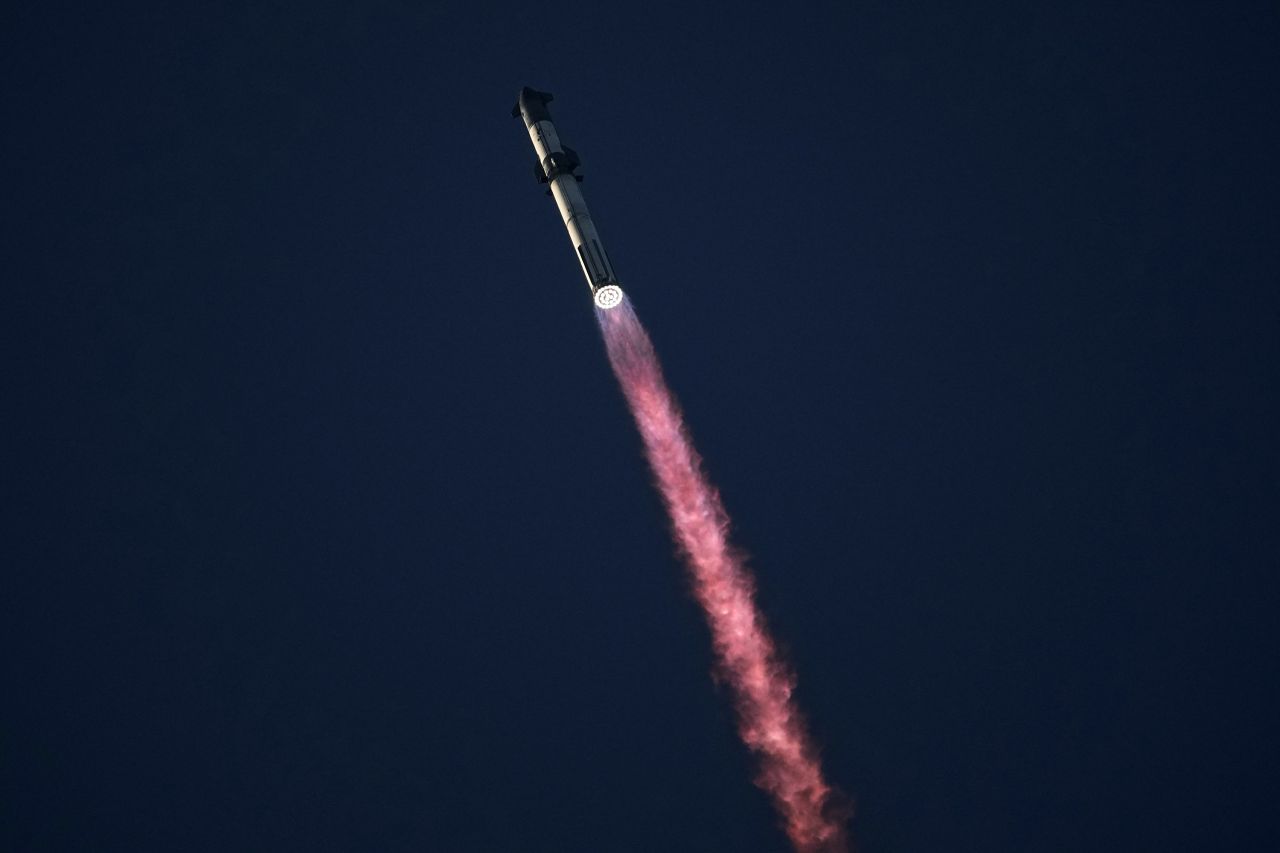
{"type": "Point", "coordinates": [557, 166]}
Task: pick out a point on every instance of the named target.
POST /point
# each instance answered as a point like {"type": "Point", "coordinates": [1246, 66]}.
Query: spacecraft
{"type": "Point", "coordinates": [557, 167]}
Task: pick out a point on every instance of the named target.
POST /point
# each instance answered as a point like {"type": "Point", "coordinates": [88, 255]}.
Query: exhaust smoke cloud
{"type": "Point", "coordinates": [747, 660]}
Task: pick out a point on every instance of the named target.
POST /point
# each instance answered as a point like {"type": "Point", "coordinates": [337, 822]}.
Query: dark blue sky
{"type": "Point", "coordinates": [329, 530]}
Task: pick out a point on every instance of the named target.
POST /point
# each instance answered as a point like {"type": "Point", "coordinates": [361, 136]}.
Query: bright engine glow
{"type": "Point", "coordinates": [608, 296]}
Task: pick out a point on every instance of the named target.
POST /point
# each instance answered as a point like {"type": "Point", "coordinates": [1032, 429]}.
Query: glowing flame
{"type": "Point", "coordinates": [747, 660]}
{"type": "Point", "coordinates": [608, 296]}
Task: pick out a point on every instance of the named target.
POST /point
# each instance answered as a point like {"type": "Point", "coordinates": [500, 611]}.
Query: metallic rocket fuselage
{"type": "Point", "coordinates": [556, 167]}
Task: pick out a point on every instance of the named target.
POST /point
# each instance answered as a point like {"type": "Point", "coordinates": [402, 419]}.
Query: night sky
{"type": "Point", "coordinates": [328, 529]}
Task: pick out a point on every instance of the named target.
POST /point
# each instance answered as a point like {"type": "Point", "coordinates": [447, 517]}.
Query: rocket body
{"type": "Point", "coordinates": [557, 166]}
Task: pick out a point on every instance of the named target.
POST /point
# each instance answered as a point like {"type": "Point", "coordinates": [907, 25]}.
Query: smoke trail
{"type": "Point", "coordinates": [746, 658]}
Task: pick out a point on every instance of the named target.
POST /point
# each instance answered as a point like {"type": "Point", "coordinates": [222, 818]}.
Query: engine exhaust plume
{"type": "Point", "coordinates": [747, 660]}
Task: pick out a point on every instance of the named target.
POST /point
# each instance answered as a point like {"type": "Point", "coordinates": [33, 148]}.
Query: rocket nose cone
{"type": "Point", "coordinates": [533, 104]}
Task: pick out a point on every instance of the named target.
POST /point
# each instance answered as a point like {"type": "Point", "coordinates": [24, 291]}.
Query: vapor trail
{"type": "Point", "coordinates": [746, 657]}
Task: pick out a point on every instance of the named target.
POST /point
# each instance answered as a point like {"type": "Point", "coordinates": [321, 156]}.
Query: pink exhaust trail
{"type": "Point", "coordinates": [746, 657]}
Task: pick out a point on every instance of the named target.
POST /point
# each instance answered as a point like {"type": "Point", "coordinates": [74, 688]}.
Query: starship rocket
{"type": "Point", "coordinates": [557, 166]}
